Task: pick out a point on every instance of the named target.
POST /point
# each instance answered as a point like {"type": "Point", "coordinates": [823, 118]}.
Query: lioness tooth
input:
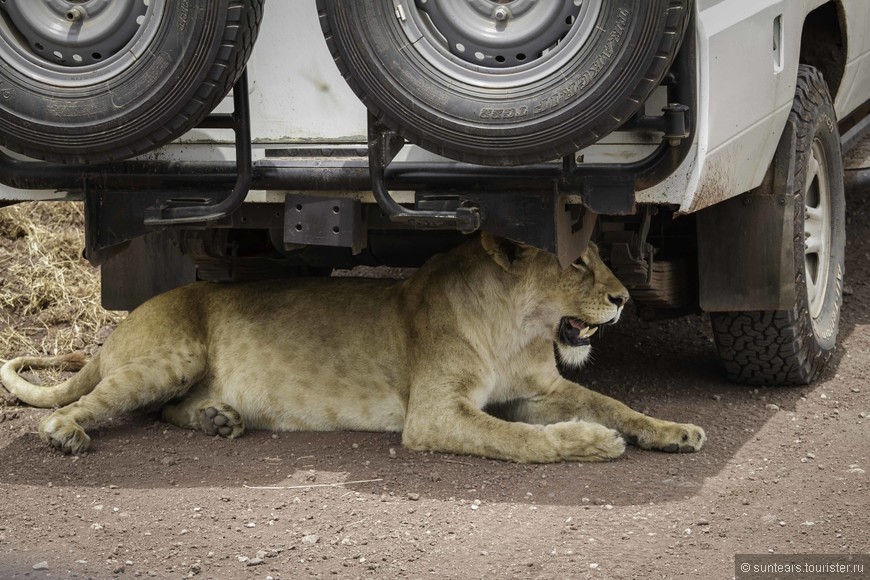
{"type": "Point", "coordinates": [590, 331]}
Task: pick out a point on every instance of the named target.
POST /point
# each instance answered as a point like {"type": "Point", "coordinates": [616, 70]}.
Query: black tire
{"type": "Point", "coordinates": [523, 108]}
{"type": "Point", "coordinates": [793, 346]}
{"type": "Point", "coordinates": [91, 101]}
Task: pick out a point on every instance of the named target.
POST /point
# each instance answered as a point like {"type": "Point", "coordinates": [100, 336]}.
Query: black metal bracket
{"type": "Point", "coordinates": [384, 144]}
{"type": "Point", "coordinates": [673, 123]}
{"type": "Point", "coordinates": [174, 212]}
{"type": "Point", "coordinates": [629, 255]}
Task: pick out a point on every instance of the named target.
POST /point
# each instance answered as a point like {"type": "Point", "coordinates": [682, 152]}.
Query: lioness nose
{"type": "Point", "coordinates": [618, 300]}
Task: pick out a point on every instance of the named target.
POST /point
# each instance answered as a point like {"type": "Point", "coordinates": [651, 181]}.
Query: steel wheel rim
{"type": "Point", "coordinates": [817, 229]}
{"type": "Point", "coordinates": [79, 43]}
{"type": "Point", "coordinates": [513, 39]}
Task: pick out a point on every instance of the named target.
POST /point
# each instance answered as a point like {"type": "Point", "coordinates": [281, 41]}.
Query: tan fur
{"type": "Point", "coordinates": [473, 328]}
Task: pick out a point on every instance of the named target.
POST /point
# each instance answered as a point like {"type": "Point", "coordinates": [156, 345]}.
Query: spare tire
{"type": "Point", "coordinates": [503, 82]}
{"type": "Point", "coordinates": [93, 81]}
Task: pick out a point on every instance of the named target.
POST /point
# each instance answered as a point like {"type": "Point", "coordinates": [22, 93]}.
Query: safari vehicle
{"type": "Point", "coordinates": [699, 141]}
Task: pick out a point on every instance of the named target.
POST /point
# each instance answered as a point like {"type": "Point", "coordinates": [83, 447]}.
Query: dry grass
{"type": "Point", "coordinates": [49, 294]}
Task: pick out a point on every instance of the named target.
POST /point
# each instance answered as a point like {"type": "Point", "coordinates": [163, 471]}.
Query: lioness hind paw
{"type": "Point", "coordinates": [64, 436]}
{"type": "Point", "coordinates": [221, 420]}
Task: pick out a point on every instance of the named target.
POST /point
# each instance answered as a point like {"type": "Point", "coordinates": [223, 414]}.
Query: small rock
{"type": "Point", "coordinates": [392, 452]}
{"type": "Point", "coordinates": [854, 390]}
{"type": "Point", "coordinates": [413, 496]}
{"type": "Point", "coordinates": [310, 539]}
{"type": "Point", "coordinates": [811, 455]}
{"type": "Point", "coordinates": [250, 525]}
{"type": "Point", "coordinates": [772, 407]}
{"type": "Point", "coordinates": [41, 566]}
{"type": "Point", "coordinates": [848, 291]}
{"type": "Point", "coordinates": [862, 415]}
{"type": "Point", "coordinates": [254, 562]}
{"type": "Point", "coordinates": [594, 565]}
{"type": "Point", "coordinates": [717, 397]}
{"type": "Point", "coordinates": [702, 522]}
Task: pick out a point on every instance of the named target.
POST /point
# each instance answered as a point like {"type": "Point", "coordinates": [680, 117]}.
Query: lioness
{"type": "Point", "coordinates": [424, 356]}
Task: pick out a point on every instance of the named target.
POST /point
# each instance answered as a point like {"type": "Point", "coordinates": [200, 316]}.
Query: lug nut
{"type": "Point", "coordinates": [501, 14]}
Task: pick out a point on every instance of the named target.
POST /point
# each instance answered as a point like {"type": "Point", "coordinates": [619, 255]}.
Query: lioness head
{"type": "Point", "coordinates": [571, 302]}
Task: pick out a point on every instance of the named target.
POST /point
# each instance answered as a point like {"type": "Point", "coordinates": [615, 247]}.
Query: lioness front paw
{"type": "Point", "coordinates": [64, 434]}
{"type": "Point", "coordinates": [582, 441]}
{"type": "Point", "coordinates": [221, 419]}
{"type": "Point", "coordinates": [670, 437]}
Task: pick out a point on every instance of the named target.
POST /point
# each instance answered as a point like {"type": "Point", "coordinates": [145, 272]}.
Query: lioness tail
{"type": "Point", "coordinates": [62, 394]}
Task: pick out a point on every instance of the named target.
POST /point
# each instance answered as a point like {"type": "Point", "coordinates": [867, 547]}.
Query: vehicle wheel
{"type": "Point", "coordinates": [93, 81]}
{"type": "Point", "coordinates": [503, 83]}
{"type": "Point", "coordinates": [792, 346]}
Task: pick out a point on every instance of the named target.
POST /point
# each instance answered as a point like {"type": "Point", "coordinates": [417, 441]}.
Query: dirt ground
{"type": "Point", "coordinates": [784, 471]}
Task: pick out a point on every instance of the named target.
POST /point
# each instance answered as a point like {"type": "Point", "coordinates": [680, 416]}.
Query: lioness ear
{"type": "Point", "coordinates": [586, 256]}
{"type": "Point", "coordinates": [503, 251]}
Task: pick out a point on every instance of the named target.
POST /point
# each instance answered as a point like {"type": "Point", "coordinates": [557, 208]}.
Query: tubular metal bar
{"type": "Point", "coordinates": [269, 174]}
{"type": "Point", "coordinates": [383, 146]}
{"type": "Point", "coordinates": [241, 126]}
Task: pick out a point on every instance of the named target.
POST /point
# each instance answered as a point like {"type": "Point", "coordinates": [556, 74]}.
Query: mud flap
{"type": "Point", "coordinates": [745, 244]}
{"type": "Point", "coordinates": [149, 265]}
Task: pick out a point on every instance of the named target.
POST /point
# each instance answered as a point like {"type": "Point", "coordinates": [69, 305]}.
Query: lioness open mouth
{"type": "Point", "coordinates": [575, 332]}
